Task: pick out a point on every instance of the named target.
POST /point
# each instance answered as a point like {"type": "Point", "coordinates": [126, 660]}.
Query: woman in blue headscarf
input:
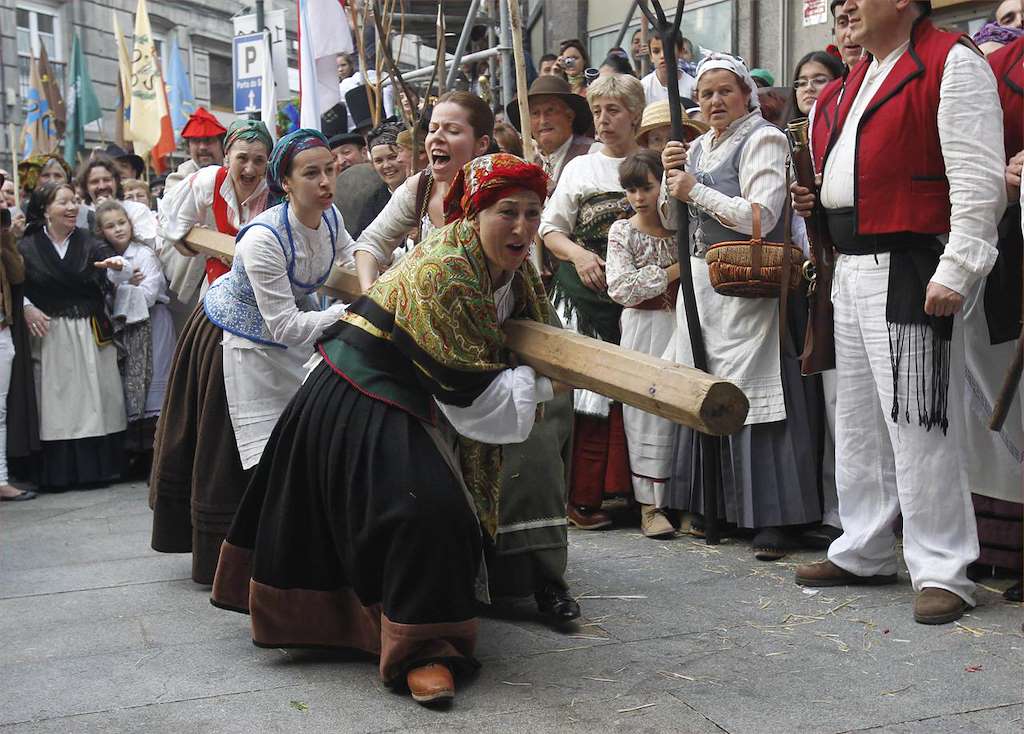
{"type": "Point", "coordinates": [239, 359]}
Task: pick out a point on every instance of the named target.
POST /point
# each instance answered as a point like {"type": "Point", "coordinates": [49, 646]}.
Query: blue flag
{"type": "Point", "coordinates": [179, 91]}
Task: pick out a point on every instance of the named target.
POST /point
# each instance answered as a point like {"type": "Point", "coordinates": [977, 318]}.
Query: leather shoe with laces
{"type": "Point", "coordinates": [557, 604]}
{"type": "Point", "coordinates": [431, 683]}
{"type": "Point", "coordinates": [938, 606]}
{"type": "Point", "coordinates": [586, 518]}
{"type": "Point", "coordinates": [827, 573]}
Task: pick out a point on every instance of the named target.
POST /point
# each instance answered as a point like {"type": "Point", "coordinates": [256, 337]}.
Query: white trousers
{"type": "Point", "coordinates": [6, 360]}
{"type": "Point", "coordinates": [884, 467]}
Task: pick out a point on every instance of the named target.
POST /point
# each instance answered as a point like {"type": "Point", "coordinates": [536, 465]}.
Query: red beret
{"type": "Point", "coordinates": [202, 125]}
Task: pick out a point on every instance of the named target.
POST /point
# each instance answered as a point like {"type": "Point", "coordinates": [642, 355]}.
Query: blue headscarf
{"type": "Point", "coordinates": [288, 147]}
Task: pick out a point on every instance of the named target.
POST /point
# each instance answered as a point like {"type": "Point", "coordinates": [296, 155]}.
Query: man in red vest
{"type": "Point", "coordinates": [910, 150]}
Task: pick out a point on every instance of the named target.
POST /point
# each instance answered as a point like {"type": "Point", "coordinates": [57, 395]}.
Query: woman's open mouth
{"type": "Point", "coordinates": [438, 158]}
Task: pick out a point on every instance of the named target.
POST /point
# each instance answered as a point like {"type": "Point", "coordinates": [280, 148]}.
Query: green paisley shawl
{"type": "Point", "coordinates": [435, 311]}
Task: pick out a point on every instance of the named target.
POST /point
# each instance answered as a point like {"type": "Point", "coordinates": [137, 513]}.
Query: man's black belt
{"type": "Point", "coordinates": [842, 226]}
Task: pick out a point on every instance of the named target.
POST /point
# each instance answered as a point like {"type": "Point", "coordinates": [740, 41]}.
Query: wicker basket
{"type": "Point", "coordinates": [754, 268]}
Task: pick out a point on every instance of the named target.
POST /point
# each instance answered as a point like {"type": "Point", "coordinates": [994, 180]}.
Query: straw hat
{"type": "Point", "coordinates": [657, 114]}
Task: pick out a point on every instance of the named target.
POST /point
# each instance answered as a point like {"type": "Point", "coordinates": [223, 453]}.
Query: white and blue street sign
{"type": "Point", "coordinates": [247, 64]}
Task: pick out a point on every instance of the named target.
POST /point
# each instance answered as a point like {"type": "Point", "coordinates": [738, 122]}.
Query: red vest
{"type": "Point", "coordinates": [1008, 65]}
{"type": "Point", "coordinates": [900, 173]}
{"type": "Point", "coordinates": [214, 267]}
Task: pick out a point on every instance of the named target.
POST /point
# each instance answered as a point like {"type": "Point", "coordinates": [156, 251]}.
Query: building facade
{"type": "Point", "coordinates": [203, 30]}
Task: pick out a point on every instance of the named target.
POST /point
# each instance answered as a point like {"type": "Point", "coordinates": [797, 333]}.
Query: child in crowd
{"type": "Point", "coordinates": [656, 127]}
{"type": "Point", "coordinates": [136, 190]}
{"type": "Point", "coordinates": [143, 324]}
{"type": "Point", "coordinates": [643, 275]}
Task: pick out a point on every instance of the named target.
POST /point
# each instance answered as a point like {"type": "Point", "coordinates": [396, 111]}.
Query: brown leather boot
{"type": "Point", "coordinates": [938, 606]}
{"type": "Point", "coordinates": [827, 573]}
{"type": "Point", "coordinates": [431, 683]}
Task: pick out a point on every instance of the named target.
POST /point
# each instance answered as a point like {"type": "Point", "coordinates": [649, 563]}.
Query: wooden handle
{"type": "Point", "coordinates": [343, 282]}
{"type": "Point", "coordinates": [681, 394]}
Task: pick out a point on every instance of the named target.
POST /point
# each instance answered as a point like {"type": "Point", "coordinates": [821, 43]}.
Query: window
{"type": "Point", "coordinates": [708, 27]}
{"type": "Point", "coordinates": [221, 83]}
{"type": "Point", "coordinates": [38, 27]}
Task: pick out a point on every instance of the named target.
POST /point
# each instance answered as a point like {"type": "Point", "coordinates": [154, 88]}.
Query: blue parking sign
{"type": "Point", "coordinates": [247, 65]}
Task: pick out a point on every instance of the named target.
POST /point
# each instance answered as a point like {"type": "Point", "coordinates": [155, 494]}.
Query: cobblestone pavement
{"type": "Point", "coordinates": [101, 634]}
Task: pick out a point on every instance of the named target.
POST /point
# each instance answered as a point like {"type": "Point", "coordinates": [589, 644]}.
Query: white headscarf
{"type": "Point", "coordinates": [736, 65]}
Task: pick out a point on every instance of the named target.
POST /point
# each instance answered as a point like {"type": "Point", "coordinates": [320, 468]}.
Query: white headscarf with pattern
{"type": "Point", "coordinates": [736, 65]}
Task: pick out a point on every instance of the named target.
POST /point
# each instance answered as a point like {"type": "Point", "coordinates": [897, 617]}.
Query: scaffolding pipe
{"type": "Point", "coordinates": [507, 62]}
{"type": "Point", "coordinates": [625, 24]}
{"type": "Point", "coordinates": [492, 41]}
{"type": "Point", "coordinates": [425, 72]}
{"type": "Point", "coordinates": [467, 29]}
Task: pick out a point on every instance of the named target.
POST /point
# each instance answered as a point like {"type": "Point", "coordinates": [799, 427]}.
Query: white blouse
{"type": "Point", "coordinates": [635, 263]}
{"type": "Point", "coordinates": [280, 302]}
{"type": "Point", "coordinates": [134, 301]}
{"type": "Point", "coordinates": [190, 203]}
{"type": "Point", "coordinates": [583, 176]}
{"type": "Point", "coordinates": [506, 410]}
{"type": "Point", "coordinates": [762, 172]}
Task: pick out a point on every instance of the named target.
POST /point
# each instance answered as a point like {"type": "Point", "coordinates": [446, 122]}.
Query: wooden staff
{"type": "Point", "coordinates": [515, 19]}
{"type": "Point", "coordinates": [645, 59]}
{"type": "Point", "coordinates": [673, 391]}
{"type": "Point", "coordinates": [1009, 390]}
{"type": "Point", "coordinates": [360, 47]}
{"type": "Point", "coordinates": [439, 60]}
{"type": "Point", "coordinates": [710, 454]}
{"type": "Point", "coordinates": [14, 167]}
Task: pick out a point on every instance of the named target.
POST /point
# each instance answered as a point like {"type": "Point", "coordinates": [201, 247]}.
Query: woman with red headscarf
{"type": "Point", "coordinates": [363, 525]}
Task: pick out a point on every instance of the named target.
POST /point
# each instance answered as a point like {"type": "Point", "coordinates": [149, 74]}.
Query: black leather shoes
{"type": "Point", "coordinates": [557, 604]}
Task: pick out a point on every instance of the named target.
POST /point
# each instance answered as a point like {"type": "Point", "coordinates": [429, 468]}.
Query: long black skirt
{"type": "Point", "coordinates": [354, 533]}
{"type": "Point", "coordinates": [197, 479]}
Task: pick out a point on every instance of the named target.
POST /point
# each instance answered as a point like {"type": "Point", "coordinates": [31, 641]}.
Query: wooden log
{"type": "Point", "coordinates": [342, 283]}
{"type": "Point", "coordinates": [673, 391]}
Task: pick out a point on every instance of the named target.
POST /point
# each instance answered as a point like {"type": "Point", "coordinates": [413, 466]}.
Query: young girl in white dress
{"type": "Point", "coordinates": [643, 275]}
{"type": "Point", "coordinates": [144, 322]}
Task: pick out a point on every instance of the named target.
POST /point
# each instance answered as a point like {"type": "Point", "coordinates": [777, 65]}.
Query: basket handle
{"type": "Point", "coordinates": [755, 242]}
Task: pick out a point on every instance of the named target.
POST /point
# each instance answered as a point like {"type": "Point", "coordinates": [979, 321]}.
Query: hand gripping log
{"type": "Point", "coordinates": [710, 446]}
{"type": "Point", "coordinates": [682, 394]}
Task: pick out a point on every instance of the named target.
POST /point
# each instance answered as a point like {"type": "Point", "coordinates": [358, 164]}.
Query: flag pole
{"type": "Point", "coordinates": [14, 160]}
{"type": "Point", "coordinates": [515, 18]}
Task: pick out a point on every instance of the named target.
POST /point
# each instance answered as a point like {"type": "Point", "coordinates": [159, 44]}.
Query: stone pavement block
{"type": "Point", "coordinates": [111, 636]}
{"type": "Point", "coordinates": [80, 523]}
{"type": "Point", "coordinates": [73, 686]}
{"type": "Point", "coordinates": [826, 683]}
{"type": "Point", "coordinates": [74, 548]}
{"type": "Point", "coordinates": [133, 627]}
{"type": "Point", "coordinates": [143, 567]}
{"type": "Point", "coordinates": [1000, 720]}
